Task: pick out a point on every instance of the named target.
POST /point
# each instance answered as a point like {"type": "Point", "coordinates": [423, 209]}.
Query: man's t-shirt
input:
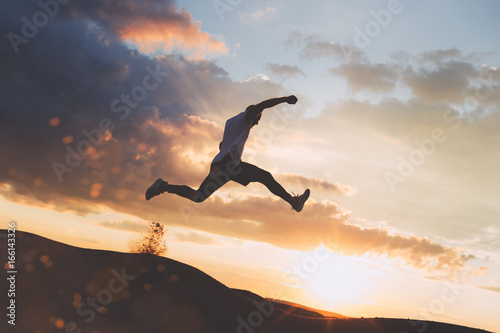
{"type": "Point", "coordinates": [235, 136]}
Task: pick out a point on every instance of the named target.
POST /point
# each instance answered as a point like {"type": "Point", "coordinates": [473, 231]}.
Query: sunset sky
{"type": "Point", "coordinates": [396, 133]}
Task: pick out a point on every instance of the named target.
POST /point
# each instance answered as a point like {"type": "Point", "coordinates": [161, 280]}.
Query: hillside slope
{"type": "Point", "coordinates": [61, 288]}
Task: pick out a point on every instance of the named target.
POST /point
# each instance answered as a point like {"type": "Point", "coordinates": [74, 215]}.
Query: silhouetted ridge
{"type": "Point", "coordinates": [113, 292]}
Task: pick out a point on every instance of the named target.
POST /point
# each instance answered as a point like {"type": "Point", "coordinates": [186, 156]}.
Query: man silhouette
{"type": "Point", "coordinates": [227, 164]}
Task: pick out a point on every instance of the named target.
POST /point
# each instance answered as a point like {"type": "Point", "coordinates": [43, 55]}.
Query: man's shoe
{"type": "Point", "coordinates": [300, 200]}
{"type": "Point", "coordinates": [155, 189]}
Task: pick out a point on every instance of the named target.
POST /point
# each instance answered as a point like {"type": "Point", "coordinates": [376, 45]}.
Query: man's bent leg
{"type": "Point", "coordinates": [252, 173]}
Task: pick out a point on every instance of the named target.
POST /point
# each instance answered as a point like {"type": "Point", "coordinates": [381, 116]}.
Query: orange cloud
{"type": "Point", "coordinates": [151, 25]}
{"type": "Point", "coordinates": [151, 34]}
{"type": "Point", "coordinates": [268, 220]}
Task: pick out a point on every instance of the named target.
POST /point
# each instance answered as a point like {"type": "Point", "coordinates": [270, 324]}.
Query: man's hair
{"type": "Point", "coordinates": [251, 107]}
{"type": "Point", "coordinates": [254, 108]}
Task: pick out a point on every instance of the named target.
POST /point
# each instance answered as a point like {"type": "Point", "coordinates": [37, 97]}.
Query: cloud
{"type": "Point", "coordinates": [127, 225]}
{"type": "Point", "coordinates": [151, 25]}
{"type": "Point", "coordinates": [321, 185]}
{"type": "Point", "coordinates": [435, 76]}
{"type": "Point", "coordinates": [195, 237]}
{"type": "Point", "coordinates": [449, 76]}
{"type": "Point", "coordinates": [321, 222]}
{"type": "Point", "coordinates": [321, 49]}
{"type": "Point", "coordinates": [365, 76]}
{"type": "Point", "coordinates": [315, 47]}
{"type": "Point", "coordinates": [89, 241]}
{"type": "Point", "coordinates": [150, 109]}
{"type": "Point", "coordinates": [440, 56]}
{"type": "Point", "coordinates": [480, 271]}
{"type": "Point", "coordinates": [487, 90]}
{"type": "Point", "coordinates": [284, 71]}
{"type": "Point", "coordinates": [259, 15]}
{"type": "Point", "coordinates": [449, 82]}
{"type": "Point", "coordinates": [294, 39]}
{"type": "Point", "coordinates": [491, 288]}
{"type": "Point", "coordinates": [258, 78]}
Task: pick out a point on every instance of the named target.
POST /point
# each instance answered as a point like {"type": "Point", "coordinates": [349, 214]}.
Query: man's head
{"type": "Point", "coordinates": [255, 109]}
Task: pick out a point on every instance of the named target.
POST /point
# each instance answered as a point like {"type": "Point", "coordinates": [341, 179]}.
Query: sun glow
{"type": "Point", "coordinates": [340, 279]}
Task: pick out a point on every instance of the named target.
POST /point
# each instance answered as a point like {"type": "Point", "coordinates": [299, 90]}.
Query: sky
{"type": "Point", "coordinates": [396, 133]}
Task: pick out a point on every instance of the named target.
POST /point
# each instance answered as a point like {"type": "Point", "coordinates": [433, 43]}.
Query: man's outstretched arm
{"type": "Point", "coordinates": [254, 110]}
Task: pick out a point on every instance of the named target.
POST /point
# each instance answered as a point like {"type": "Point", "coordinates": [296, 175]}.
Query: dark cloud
{"type": "Point", "coordinates": [150, 25]}
{"type": "Point", "coordinates": [153, 24]}
{"type": "Point", "coordinates": [79, 106]}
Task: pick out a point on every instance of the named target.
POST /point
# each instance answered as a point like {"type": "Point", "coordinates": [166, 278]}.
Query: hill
{"type": "Point", "coordinates": [61, 288]}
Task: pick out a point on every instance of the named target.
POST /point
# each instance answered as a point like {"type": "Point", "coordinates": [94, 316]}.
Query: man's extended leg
{"type": "Point", "coordinates": [211, 184]}
{"type": "Point", "coordinates": [181, 190]}
{"type": "Point", "coordinates": [215, 179]}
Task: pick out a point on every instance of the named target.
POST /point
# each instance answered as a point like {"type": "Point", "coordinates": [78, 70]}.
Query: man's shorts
{"type": "Point", "coordinates": [226, 169]}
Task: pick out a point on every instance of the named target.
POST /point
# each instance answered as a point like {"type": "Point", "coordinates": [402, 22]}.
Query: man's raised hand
{"type": "Point", "coordinates": [291, 99]}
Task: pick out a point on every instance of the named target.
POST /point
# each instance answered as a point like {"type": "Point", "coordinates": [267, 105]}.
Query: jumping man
{"type": "Point", "coordinates": [227, 164]}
